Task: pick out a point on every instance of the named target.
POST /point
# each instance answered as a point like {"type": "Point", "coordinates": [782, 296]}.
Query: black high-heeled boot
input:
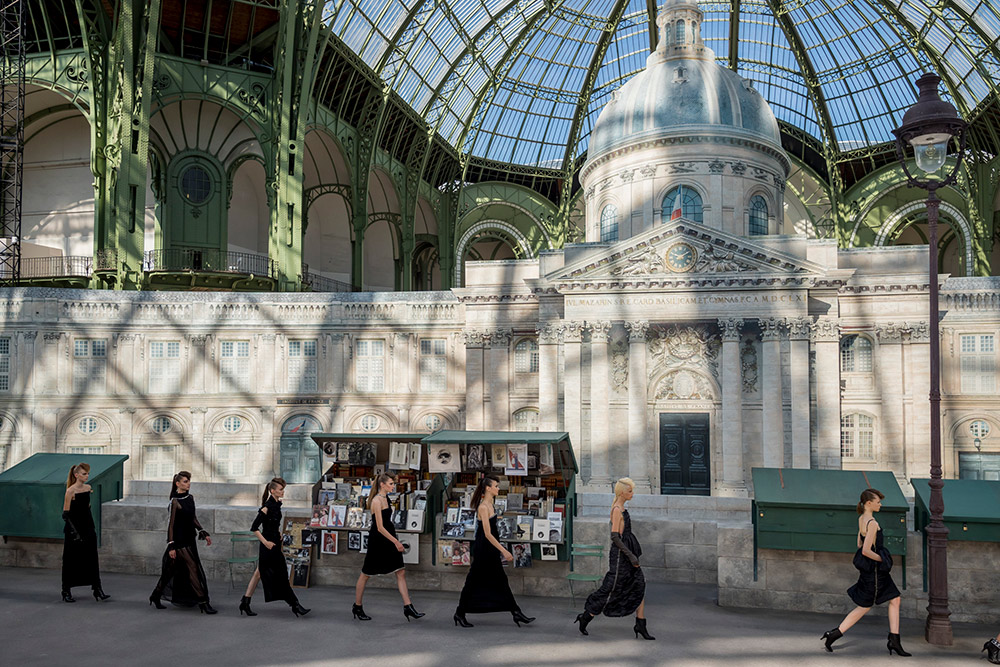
{"type": "Point", "coordinates": [409, 612]}
{"type": "Point", "coordinates": [640, 629]}
{"type": "Point", "coordinates": [461, 620]}
{"type": "Point", "coordinates": [100, 595]}
{"type": "Point", "coordinates": [992, 648]}
{"type": "Point", "coordinates": [831, 636]}
{"type": "Point", "coordinates": [68, 597]}
{"type": "Point", "coordinates": [359, 613]}
{"type": "Point", "coordinates": [245, 607]}
{"type": "Point", "coordinates": [584, 619]}
{"type": "Point", "coordinates": [299, 610]}
{"type": "Point", "coordinates": [520, 618]}
{"type": "Point", "coordinates": [894, 645]}
{"type": "Point", "coordinates": [154, 599]}
{"type": "Point", "coordinates": [207, 608]}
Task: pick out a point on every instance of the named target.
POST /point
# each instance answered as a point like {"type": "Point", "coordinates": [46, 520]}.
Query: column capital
{"type": "Point", "coordinates": [474, 337]}
{"type": "Point", "coordinates": [799, 328]}
{"type": "Point", "coordinates": [573, 331]}
{"type": "Point", "coordinates": [637, 331]}
{"type": "Point", "coordinates": [499, 338]}
{"type": "Point", "coordinates": [920, 332]}
{"type": "Point", "coordinates": [548, 334]}
{"type": "Point", "coordinates": [730, 328]}
{"type": "Point", "coordinates": [29, 335]}
{"type": "Point", "coordinates": [600, 331]}
{"type": "Point", "coordinates": [771, 328]}
{"type": "Point", "coordinates": [890, 332]}
{"type": "Point", "coordinates": [826, 329]}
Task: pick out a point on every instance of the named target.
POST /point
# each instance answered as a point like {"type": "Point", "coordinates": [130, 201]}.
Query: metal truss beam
{"type": "Point", "coordinates": [12, 94]}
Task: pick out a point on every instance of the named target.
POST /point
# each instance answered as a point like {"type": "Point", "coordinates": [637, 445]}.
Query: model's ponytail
{"type": "Point", "coordinates": [377, 486]}
{"type": "Point", "coordinates": [867, 495]}
{"type": "Point", "coordinates": [477, 495]}
{"type": "Point", "coordinates": [71, 480]}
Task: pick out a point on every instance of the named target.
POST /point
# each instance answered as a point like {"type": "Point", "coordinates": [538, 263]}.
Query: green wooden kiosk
{"type": "Point", "coordinates": [971, 511]}
{"type": "Point", "coordinates": [32, 492]}
{"type": "Point", "coordinates": [816, 510]}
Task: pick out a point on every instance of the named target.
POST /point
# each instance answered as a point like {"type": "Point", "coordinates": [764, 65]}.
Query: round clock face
{"type": "Point", "coordinates": [681, 257]}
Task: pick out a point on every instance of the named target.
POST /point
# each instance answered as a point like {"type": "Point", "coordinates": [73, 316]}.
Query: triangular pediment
{"type": "Point", "coordinates": [683, 249]}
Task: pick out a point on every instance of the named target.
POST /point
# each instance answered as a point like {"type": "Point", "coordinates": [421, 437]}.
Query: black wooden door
{"type": "Point", "coordinates": [684, 454]}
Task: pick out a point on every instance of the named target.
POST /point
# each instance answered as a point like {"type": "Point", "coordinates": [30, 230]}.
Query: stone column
{"type": "Point", "coordinates": [638, 444]}
{"type": "Point", "coordinates": [773, 431]}
{"type": "Point", "coordinates": [548, 377]}
{"type": "Point", "coordinates": [826, 342]}
{"type": "Point", "coordinates": [733, 479]}
{"type": "Point", "coordinates": [798, 361]}
{"type": "Point", "coordinates": [600, 413]}
{"type": "Point", "coordinates": [572, 336]}
{"type": "Point", "coordinates": [498, 379]}
{"type": "Point", "coordinates": [474, 399]}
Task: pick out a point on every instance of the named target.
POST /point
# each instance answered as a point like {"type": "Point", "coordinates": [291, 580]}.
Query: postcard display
{"type": "Point", "coordinates": [534, 507]}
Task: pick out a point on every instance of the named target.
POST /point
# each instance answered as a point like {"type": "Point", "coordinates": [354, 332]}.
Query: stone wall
{"type": "Point", "coordinates": [818, 581]}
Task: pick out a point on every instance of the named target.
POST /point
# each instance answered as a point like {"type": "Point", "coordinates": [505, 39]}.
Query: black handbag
{"type": "Point", "coordinates": [863, 563]}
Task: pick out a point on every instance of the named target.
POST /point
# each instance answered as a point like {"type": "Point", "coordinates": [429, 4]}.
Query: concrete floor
{"type": "Point", "coordinates": [37, 628]}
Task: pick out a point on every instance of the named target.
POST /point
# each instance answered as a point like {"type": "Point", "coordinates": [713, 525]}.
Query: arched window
{"type": "Point", "coordinates": [679, 33]}
{"type": "Point", "coordinates": [758, 216]}
{"type": "Point", "coordinates": [682, 201]}
{"type": "Point", "coordinates": [609, 224]}
{"type": "Point", "coordinates": [526, 419]}
{"type": "Point", "coordinates": [855, 354]}
{"type": "Point", "coordinates": [857, 436]}
{"type": "Point", "coordinates": [526, 356]}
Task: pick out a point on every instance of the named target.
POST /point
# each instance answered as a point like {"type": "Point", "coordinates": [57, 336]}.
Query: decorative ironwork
{"type": "Point", "coordinates": [12, 72]}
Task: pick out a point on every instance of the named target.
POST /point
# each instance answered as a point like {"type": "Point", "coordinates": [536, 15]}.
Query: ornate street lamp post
{"type": "Point", "coordinates": [929, 127]}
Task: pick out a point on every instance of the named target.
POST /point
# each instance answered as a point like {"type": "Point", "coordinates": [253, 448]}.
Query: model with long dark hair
{"type": "Point", "coordinates": [385, 552]}
{"type": "Point", "coordinates": [875, 584]}
{"type": "Point", "coordinates": [623, 590]}
{"type": "Point", "coordinates": [80, 566]}
{"type": "Point", "coordinates": [182, 578]}
{"type": "Point", "coordinates": [486, 588]}
{"type": "Point", "coordinates": [271, 570]}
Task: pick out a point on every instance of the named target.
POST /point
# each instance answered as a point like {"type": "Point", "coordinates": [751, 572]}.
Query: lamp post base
{"type": "Point", "coordinates": [937, 631]}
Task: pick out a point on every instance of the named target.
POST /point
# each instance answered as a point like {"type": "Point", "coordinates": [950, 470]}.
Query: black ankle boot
{"type": "Point", "coordinates": [520, 618]}
{"type": "Point", "coordinates": [68, 597]}
{"type": "Point", "coordinates": [992, 648]}
{"type": "Point", "coordinates": [894, 645]}
{"type": "Point", "coordinates": [299, 610]}
{"type": "Point", "coordinates": [831, 636]}
{"type": "Point", "coordinates": [640, 629]}
{"type": "Point", "coordinates": [584, 619]}
{"type": "Point", "coordinates": [207, 608]}
{"type": "Point", "coordinates": [100, 595]}
{"type": "Point", "coordinates": [245, 607]}
{"type": "Point", "coordinates": [409, 612]}
{"type": "Point", "coordinates": [461, 620]}
{"type": "Point", "coordinates": [359, 613]}
{"type": "Point", "coordinates": [154, 599]}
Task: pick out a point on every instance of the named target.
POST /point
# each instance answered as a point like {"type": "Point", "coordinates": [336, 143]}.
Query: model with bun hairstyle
{"type": "Point", "coordinates": [623, 591]}
{"type": "Point", "coordinates": [875, 584]}
{"type": "Point", "coordinates": [80, 566]}
{"type": "Point", "coordinates": [385, 552]}
{"type": "Point", "coordinates": [271, 571]}
{"type": "Point", "coordinates": [182, 578]}
{"type": "Point", "coordinates": [486, 588]}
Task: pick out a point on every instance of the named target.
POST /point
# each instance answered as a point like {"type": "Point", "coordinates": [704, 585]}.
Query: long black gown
{"type": "Point", "coordinates": [271, 562]}
{"type": "Point", "coordinates": [486, 588]}
{"type": "Point", "coordinates": [624, 585]}
{"type": "Point", "coordinates": [80, 566]}
{"type": "Point", "coordinates": [874, 586]}
{"type": "Point", "coordinates": [182, 579]}
{"type": "Point", "coordinates": [383, 557]}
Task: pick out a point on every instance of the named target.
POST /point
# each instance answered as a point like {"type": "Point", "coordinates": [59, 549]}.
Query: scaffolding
{"type": "Point", "coordinates": [12, 74]}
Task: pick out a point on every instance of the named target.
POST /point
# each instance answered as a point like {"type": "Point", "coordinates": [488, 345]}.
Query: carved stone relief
{"type": "Point", "coordinates": [683, 347]}
{"type": "Point", "coordinates": [683, 385]}
{"type": "Point", "coordinates": [748, 365]}
{"type": "Point", "coordinates": [619, 368]}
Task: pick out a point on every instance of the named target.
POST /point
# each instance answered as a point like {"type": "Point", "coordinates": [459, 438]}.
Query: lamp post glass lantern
{"type": "Point", "coordinates": [929, 127]}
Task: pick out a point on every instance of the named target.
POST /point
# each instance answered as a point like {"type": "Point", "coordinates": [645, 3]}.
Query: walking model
{"type": "Point", "coordinates": [80, 567]}
{"type": "Point", "coordinates": [624, 588]}
{"type": "Point", "coordinates": [992, 648]}
{"type": "Point", "coordinates": [486, 588]}
{"type": "Point", "coordinates": [875, 584]}
{"type": "Point", "coordinates": [271, 570]}
{"type": "Point", "coordinates": [182, 578]}
{"type": "Point", "coordinates": [385, 552]}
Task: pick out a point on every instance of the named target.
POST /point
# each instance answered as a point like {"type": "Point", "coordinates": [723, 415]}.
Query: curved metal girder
{"type": "Point", "coordinates": [734, 35]}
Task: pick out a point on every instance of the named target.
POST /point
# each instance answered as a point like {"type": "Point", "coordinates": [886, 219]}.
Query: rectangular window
{"type": "Point", "coordinates": [4, 364]}
{"type": "Point", "coordinates": [847, 436]}
{"type": "Point", "coordinates": [90, 358]}
{"type": "Point", "coordinates": [235, 366]}
{"type": "Point", "coordinates": [164, 366]}
{"type": "Point", "coordinates": [85, 449]}
{"type": "Point", "coordinates": [978, 364]}
{"type": "Point", "coordinates": [433, 365]}
{"type": "Point", "coordinates": [369, 365]}
{"type": "Point", "coordinates": [230, 460]}
{"type": "Point", "coordinates": [159, 461]}
{"type": "Point", "coordinates": [302, 366]}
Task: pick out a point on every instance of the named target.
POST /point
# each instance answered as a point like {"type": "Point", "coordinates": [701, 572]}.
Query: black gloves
{"type": "Point", "coordinates": [70, 528]}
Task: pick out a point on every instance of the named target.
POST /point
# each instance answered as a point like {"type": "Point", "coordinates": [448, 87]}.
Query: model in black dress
{"type": "Point", "coordinates": [875, 584]}
{"type": "Point", "coordinates": [80, 566]}
{"type": "Point", "coordinates": [623, 591]}
{"type": "Point", "coordinates": [385, 552]}
{"type": "Point", "coordinates": [271, 570]}
{"type": "Point", "coordinates": [182, 578]}
{"type": "Point", "coordinates": [486, 588]}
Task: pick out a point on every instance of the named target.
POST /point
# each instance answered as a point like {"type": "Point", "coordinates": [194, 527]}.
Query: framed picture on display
{"type": "Point", "coordinates": [444, 458]}
{"type": "Point", "coordinates": [517, 461]}
{"type": "Point", "coordinates": [329, 545]}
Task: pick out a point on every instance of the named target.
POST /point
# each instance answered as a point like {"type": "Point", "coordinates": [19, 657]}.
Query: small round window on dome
{"type": "Point", "coordinates": [161, 425]}
{"type": "Point", "coordinates": [980, 428]}
{"type": "Point", "coordinates": [87, 425]}
{"type": "Point", "coordinates": [369, 423]}
{"type": "Point", "coordinates": [232, 424]}
{"type": "Point", "coordinates": [196, 185]}
{"type": "Point", "coordinates": [432, 423]}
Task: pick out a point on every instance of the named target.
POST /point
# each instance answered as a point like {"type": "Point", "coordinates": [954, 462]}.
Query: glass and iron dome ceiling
{"type": "Point", "coordinates": [523, 81]}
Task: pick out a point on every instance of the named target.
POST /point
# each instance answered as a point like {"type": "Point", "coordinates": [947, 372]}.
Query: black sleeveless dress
{"type": "Point", "coordinates": [271, 562]}
{"type": "Point", "coordinates": [383, 557]}
{"type": "Point", "coordinates": [182, 579]}
{"type": "Point", "coordinates": [486, 588]}
{"type": "Point", "coordinates": [875, 585]}
{"type": "Point", "coordinates": [624, 585]}
{"type": "Point", "coordinates": [80, 566]}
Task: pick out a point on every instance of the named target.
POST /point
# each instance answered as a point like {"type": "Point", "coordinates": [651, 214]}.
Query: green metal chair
{"type": "Point", "coordinates": [236, 537]}
{"type": "Point", "coordinates": [583, 551]}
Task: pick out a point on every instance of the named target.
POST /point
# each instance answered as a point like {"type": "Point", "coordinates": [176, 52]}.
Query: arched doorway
{"type": "Point", "coordinates": [300, 455]}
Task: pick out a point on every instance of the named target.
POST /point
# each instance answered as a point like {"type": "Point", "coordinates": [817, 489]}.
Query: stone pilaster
{"type": "Point", "coordinates": [733, 475]}
{"type": "Point", "coordinates": [773, 431]}
{"type": "Point", "coordinates": [798, 361]}
{"type": "Point", "coordinates": [600, 413]}
{"type": "Point", "coordinates": [548, 377]}
{"type": "Point", "coordinates": [498, 379]}
{"type": "Point", "coordinates": [638, 443]}
{"type": "Point", "coordinates": [195, 363]}
{"type": "Point", "coordinates": [826, 342]}
{"type": "Point", "coordinates": [474, 398]}
{"type": "Point", "coordinates": [336, 383]}
{"type": "Point", "coordinates": [573, 411]}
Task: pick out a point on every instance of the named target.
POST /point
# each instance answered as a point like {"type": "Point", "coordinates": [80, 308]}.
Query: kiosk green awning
{"type": "Point", "coordinates": [971, 508]}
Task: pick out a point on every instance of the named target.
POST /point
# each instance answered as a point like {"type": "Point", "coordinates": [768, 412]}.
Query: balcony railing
{"type": "Point", "coordinates": [317, 283]}
{"type": "Point", "coordinates": [73, 266]}
{"type": "Point", "coordinates": [213, 261]}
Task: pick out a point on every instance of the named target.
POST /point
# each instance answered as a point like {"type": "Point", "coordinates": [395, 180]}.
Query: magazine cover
{"type": "Point", "coordinates": [506, 528]}
{"type": "Point", "coordinates": [517, 461]}
{"type": "Point", "coordinates": [329, 544]}
{"type": "Point", "coordinates": [522, 555]}
{"type": "Point", "coordinates": [499, 456]}
{"type": "Point", "coordinates": [549, 552]}
{"type": "Point", "coordinates": [453, 530]}
{"type": "Point", "coordinates": [540, 530]}
{"type": "Point", "coordinates": [443, 458]}
{"type": "Point", "coordinates": [415, 520]}
{"type": "Point", "coordinates": [467, 517]}
{"type": "Point", "coordinates": [413, 458]}
{"type": "Point", "coordinates": [398, 455]}
{"type": "Point", "coordinates": [355, 518]}
{"type": "Point", "coordinates": [475, 457]}
{"type": "Point", "coordinates": [338, 514]}
{"type": "Point", "coordinates": [545, 460]}
{"type": "Point", "coordinates": [354, 541]}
